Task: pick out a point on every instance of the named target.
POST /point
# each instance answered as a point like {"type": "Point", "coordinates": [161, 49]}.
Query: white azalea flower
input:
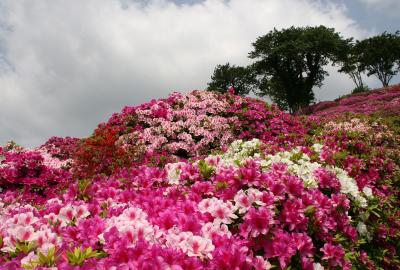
{"type": "Point", "coordinates": [368, 192]}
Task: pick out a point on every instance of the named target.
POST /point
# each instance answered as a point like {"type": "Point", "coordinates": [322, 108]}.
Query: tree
{"type": "Point", "coordinates": [350, 62]}
{"type": "Point", "coordinates": [290, 63]}
{"type": "Point", "coordinates": [380, 56]}
{"type": "Point", "coordinates": [242, 79]}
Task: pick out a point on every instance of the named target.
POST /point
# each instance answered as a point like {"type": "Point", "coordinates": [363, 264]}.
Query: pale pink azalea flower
{"type": "Point", "coordinates": [224, 213]}
{"type": "Point", "coordinates": [242, 201]}
{"type": "Point", "coordinates": [134, 214]}
{"type": "Point", "coordinates": [318, 266]}
{"type": "Point", "coordinates": [9, 244]}
{"type": "Point", "coordinates": [255, 195]}
{"type": "Point", "coordinates": [25, 219]}
{"type": "Point", "coordinates": [141, 231]}
{"type": "Point", "coordinates": [174, 237]}
{"type": "Point", "coordinates": [206, 205]}
{"type": "Point", "coordinates": [211, 229]}
{"type": "Point", "coordinates": [67, 213]}
{"type": "Point", "coordinates": [29, 259]}
{"type": "Point", "coordinates": [46, 239]}
{"type": "Point", "coordinates": [197, 246]}
{"type": "Point", "coordinates": [53, 162]}
{"type": "Point", "coordinates": [213, 160]}
{"type": "Point", "coordinates": [173, 171]}
{"type": "Point", "coordinates": [51, 218]}
{"type": "Point", "coordinates": [134, 225]}
{"type": "Point", "coordinates": [25, 233]}
{"type": "Point", "coordinates": [260, 264]}
{"type": "Point", "coordinates": [81, 211]}
{"type": "Point", "coordinates": [54, 201]}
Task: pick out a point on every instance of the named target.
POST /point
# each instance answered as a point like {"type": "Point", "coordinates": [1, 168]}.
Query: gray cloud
{"type": "Point", "coordinates": [71, 64]}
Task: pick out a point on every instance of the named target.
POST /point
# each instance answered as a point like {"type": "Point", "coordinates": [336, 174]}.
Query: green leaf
{"type": "Point", "coordinates": [78, 256]}
{"type": "Point", "coordinates": [310, 210]}
{"type": "Point", "coordinates": [221, 185]}
{"type": "Point", "coordinates": [375, 213]}
{"type": "Point", "coordinates": [205, 170]}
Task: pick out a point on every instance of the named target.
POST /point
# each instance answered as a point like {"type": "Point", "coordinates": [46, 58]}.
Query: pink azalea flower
{"type": "Point", "coordinates": [257, 221]}
{"type": "Point", "coordinates": [293, 214]}
{"type": "Point", "coordinates": [334, 254]}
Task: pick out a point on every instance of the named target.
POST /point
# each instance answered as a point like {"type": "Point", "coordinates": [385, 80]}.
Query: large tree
{"type": "Point", "coordinates": [290, 62]}
{"type": "Point", "coordinates": [242, 79]}
{"type": "Point", "coordinates": [349, 60]}
{"type": "Point", "coordinates": [380, 56]}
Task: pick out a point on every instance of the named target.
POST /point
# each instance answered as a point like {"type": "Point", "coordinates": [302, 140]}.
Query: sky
{"type": "Point", "coordinates": [67, 65]}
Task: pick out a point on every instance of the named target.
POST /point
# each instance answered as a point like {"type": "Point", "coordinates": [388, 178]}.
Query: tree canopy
{"type": "Point", "coordinates": [380, 56]}
{"type": "Point", "coordinates": [241, 79]}
{"type": "Point", "coordinates": [289, 63]}
{"type": "Point", "coordinates": [351, 64]}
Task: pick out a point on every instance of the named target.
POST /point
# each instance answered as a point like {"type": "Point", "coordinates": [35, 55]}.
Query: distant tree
{"type": "Point", "coordinates": [242, 79]}
{"type": "Point", "coordinates": [349, 60]}
{"type": "Point", "coordinates": [380, 56]}
{"type": "Point", "coordinates": [290, 62]}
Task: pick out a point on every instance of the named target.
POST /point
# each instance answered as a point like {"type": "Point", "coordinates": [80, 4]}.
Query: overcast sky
{"type": "Point", "coordinates": [67, 65]}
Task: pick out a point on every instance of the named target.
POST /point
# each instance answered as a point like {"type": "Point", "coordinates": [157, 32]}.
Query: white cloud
{"type": "Point", "coordinates": [76, 62]}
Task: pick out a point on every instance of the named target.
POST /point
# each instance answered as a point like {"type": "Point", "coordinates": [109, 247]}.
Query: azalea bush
{"type": "Point", "coordinates": [386, 101]}
{"type": "Point", "coordinates": [31, 175]}
{"type": "Point", "coordinates": [206, 181]}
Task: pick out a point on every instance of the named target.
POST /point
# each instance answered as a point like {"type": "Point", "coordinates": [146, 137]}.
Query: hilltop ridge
{"type": "Point", "coordinates": [382, 99]}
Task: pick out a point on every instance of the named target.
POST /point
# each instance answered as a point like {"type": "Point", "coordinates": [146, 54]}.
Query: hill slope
{"type": "Point", "coordinates": [208, 181]}
{"type": "Point", "coordinates": [379, 100]}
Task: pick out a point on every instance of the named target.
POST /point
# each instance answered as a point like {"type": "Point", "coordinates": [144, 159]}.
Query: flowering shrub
{"type": "Point", "coordinates": [380, 100]}
{"type": "Point", "coordinates": [102, 153]}
{"type": "Point", "coordinates": [180, 127]}
{"type": "Point", "coordinates": [31, 174]}
{"type": "Point", "coordinates": [206, 181]}
{"type": "Point", "coordinates": [60, 148]}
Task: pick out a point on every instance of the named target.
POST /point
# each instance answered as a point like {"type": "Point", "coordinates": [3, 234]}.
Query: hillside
{"type": "Point", "coordinates": [386, 101]}
{"type": "Point", "coordinates": [210, 181]}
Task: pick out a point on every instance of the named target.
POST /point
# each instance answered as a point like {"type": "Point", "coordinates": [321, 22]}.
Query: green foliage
{"type": "Point", "coordinates": [83, 186]}
{"type": "Point", "coordinates": [205, 170]}
{"type": "Point", "coordinates": [48, 260]}
{"type": "Point", "coordinates": [78, 256]}
{"type": "Point", "coordinates": [23, 247]}
{"type": "Point", "coordinates": [380, 56]}
{"type": "Point", "coordinates": [309, 211]}
{"type": "Point", "coordinates": [296, 157]}
{"type": "Point", "coordinates": [242, 79]}
{"type": "Point", "coordinates": [339, 157]}
{"type": "Point", "coordinates": [290, 63]}
{"type": "Point", "coordinates": [360, 89]}
{"type": "Point", "coordinates": [349, 59]}
{"type": "Point", "coordinates": [221, 185]}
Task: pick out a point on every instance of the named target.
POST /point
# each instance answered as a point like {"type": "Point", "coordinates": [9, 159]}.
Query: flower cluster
{"type": "Point", "coordinates": [60, 148]}
{"type": "Point", "coordinates": [30, 173]}
{"type": "Point", "coordinates": [180, 127]}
